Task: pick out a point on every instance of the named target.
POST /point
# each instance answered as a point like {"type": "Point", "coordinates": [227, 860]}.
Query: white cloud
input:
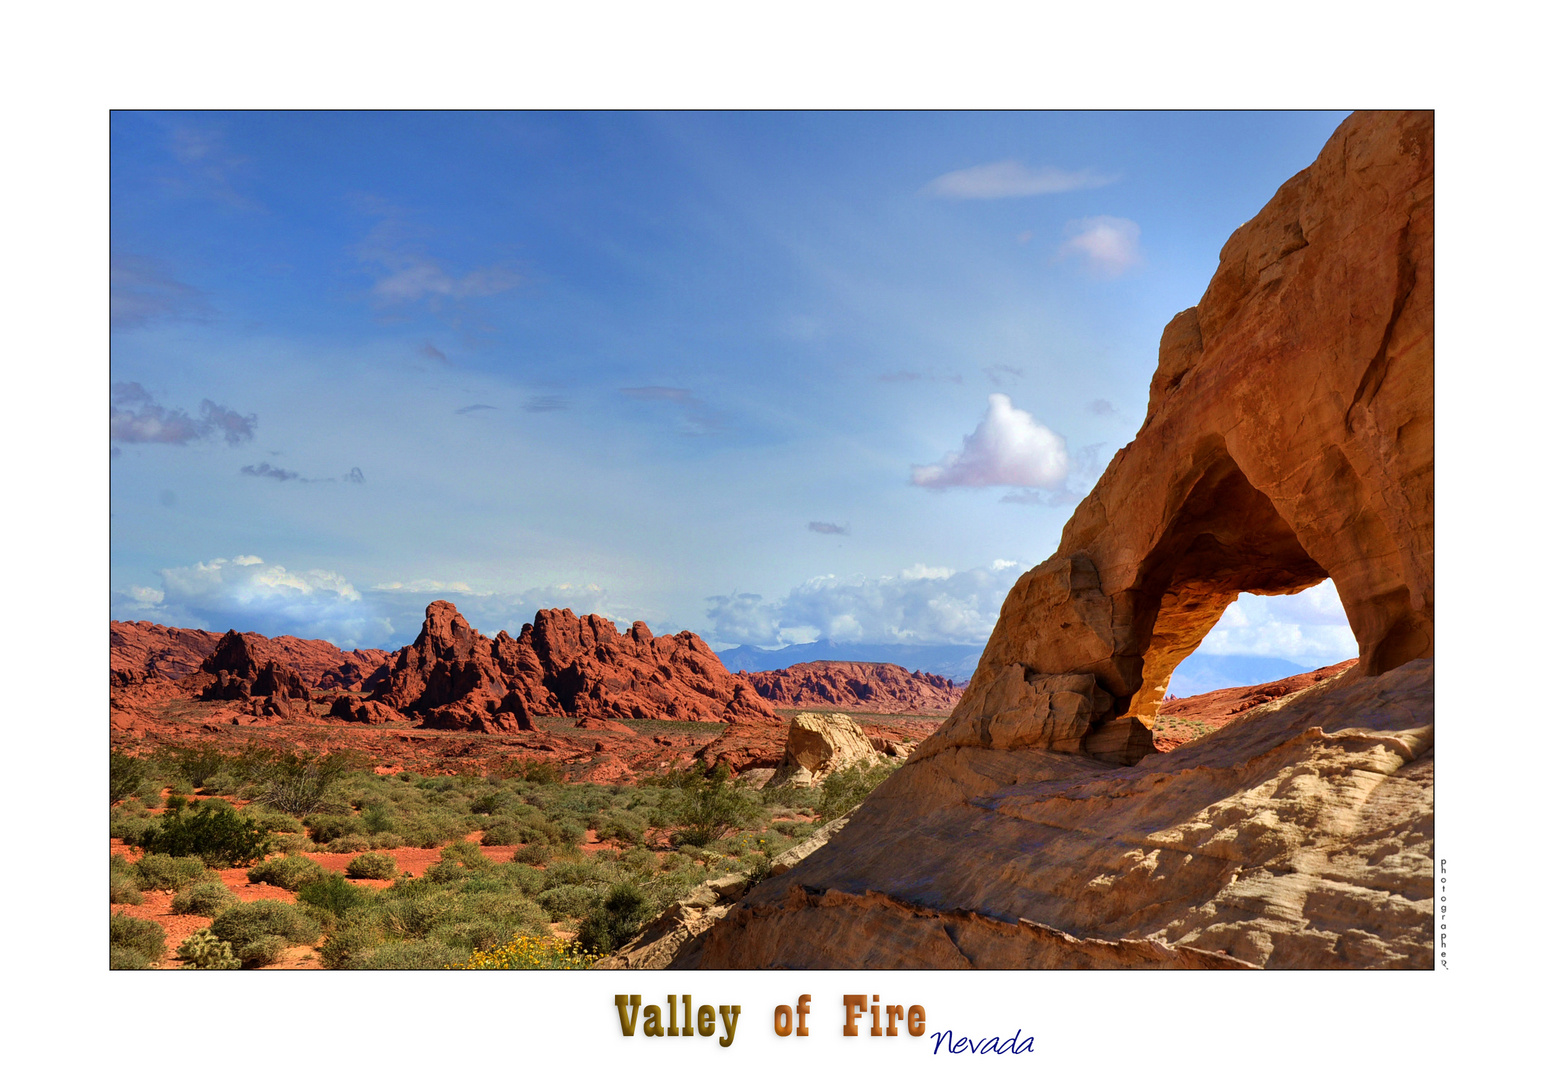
{"type": "Point", "coordinates": [1008, 448]}
{"type": "Point", "coordinates": [1108, 246]}
{"type": "Point", "coordinates": [1009, 179]}
{"type": "Point", "coordinates": [1308, 628]}
{"type": "Point", "coordinates": [922, 605]}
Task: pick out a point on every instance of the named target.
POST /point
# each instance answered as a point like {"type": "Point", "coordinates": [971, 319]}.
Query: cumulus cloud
{"type": "Point", "coordinates": [830, 528]}
{"type": "Point", "coordinates": [1008, 448]}
{"type": "Point", "coordinates": [1106, 246]}
{"type": "Point", "coordinates": [246, 593]}
{"type": "Point", "coordinates": [1308, 628]}
{"type": "Point", "coordinates": [696, 417]}
{"type": "Point", "coordinates": [922, 605]}
{"type": "Point", "coordinates": [1009, 179]}
{"type": "Point", "coordinates": [136, 417]}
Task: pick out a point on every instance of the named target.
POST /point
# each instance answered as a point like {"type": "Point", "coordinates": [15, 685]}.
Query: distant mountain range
{"type": "Point", "coordinates": [956, 662]}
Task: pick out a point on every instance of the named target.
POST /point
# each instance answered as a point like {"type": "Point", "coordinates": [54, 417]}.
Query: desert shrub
{"type": "Point", "coordinates": [206, 897]}
{"type": "Point", "coordinates": [325, 828]}
{"type": "Point", "coordinates": [570, 901]}
{"type": "Point", "coordinates": [275, 821]}
{"type": "Point", "coordinates": [622, 826]}
{"type": "Point", "coordinates": [125, 775]}
{"type": "Point", "coordinates": [333, 894]}
{"type": "Point", "coordinates": [246, 926]}
{"type": "Point", "coordinates": [129, 823]}
{"type": "Point", "coordinates": [457, 861]}
{"type": "Point", "coordinates": [262, 950]}
{"type": "Point", "coordinates": [433, 828]}
{"type": "Point", "coordinates": [410, 956]}
{"type": "Point", "coordinates": [380, 841]}
{"type": "Point", "coordinates": [377, 818]}
{"type": "Point", "coordinates": [541, 772]}
{"type": "Point", "coordinates": [533, 854]}
{"type": "Point", "coordinates": [298, 782]}
{"type": "Point", "coordinates": [795, 830]}
{"type": "Point", "coordinates": [355, 934]}
{"type": "Point", "coordinates": [218, 835]}
{"type": "Point", "coordinates": [503, 831]}
{"type": "Point", "coordinates": [221, 784]}
{"type": "Point", "coordinates": [373, 865]}
{"type": "Point", "coordinates": [197, 763]}
{"type": "Point", "coordinates": [844, 789]}
{"type": "Point", "coordinates": [347, 845]}
{"type": "Point", "coordinates": [529, 952]}
{"type": "Point", "coordinates": [169, 872]}
{"type": "Point", "coordinates": [130, 938]}
{"type": "Point", "coordinates": [707, 811]}
{"type": "Point", "coordinates": [289, 872]}
{"type": "Point", "coordinates": [122, 884]}
{"type": "Point", "coordinates": [290, 843]}
{"type": "Point", "coordinates": [414, 914]}
{"type": "Point", "coordinates": [613, 922]}
{"type": "Point", "coordinates": [489, 802]}
{"type": "Point", "coordinates": [203, 951]}
{"type": "Point", "coordinates": [181, 786]}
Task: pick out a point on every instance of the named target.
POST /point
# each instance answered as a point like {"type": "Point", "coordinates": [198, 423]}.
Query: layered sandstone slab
{"type": "Point", "coordinates": [1298, 836]}
{"type": "Point", "coordinates": [841, 684]}
{"type": "Point", "coordinates": [819, 745]}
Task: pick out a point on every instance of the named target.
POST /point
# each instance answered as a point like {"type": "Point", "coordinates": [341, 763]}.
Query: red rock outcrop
{"type": "Point", "coordinates": [448, 678]}
{"type": "Point", "coordinates": [562, 665]}
{"type": "Point", "coordinates": [841, 684]}
{"type": "Point", "coordinates": [232, 673]}
{"type": "Point", "coordinates": [1288, 438]}
{"type": "Point", "coordinates": [168, 652]}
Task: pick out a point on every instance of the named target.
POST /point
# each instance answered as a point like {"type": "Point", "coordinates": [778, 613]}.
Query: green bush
{"type": "Point", "coordinates": [207, 897]}
{"type": "Point", "coordinates": [410, 956]}
{"type": "Point", "coordinates": [262, 951]}
{"type": "Point", "coordinates": [131, 939]}
{"type": "Point", "coordinates": [333, 894]}
{"type": "Point", "coordinates": [218, 835]}
{"type": "Point", "coordinates": [129, 823]}
{"type": "Point", "coordinates": [373, 865]}
{"type": "Point", "coordinates": [246, 926]}
{"type": "Point", "coordinates": [197, 763]}
{"type": "Point", "coordinates": [203, 951]}
{"type": "Point", "coordinates": [289, 872]}
{"type": "Point", "coordinates": [347, 845]}
{"type": "Point", "coordinates": [571, 901]}
{"type": "Point", "coordinates": [298, 782]}
{"type": "Point", "coordinates": [614, 922]}
{"type": "Point", "coordinates": [533, 854]}
{"type": "Point", "coordinates": [707, 811]}
{"type": "Point", "coordinates": [844, 789]}
{"type": "Point", "coordinates": [355, 934]}
{"type": "Point", "coordinates": [380, 841]}
{"type": "Point", "coordinates": [325, 828]}
{"type": "Point", "coordinates": [125, 775]}
{"type": "Point", "coordinates": [290, 843]}
{"type": "Point", "coordinates": [169, 872]}
{"type": "Point", "coordinates": [122, 883]}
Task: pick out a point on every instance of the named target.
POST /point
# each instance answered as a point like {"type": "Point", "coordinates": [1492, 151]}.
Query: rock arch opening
{"type": "Point", "coordinates": [1224, 538]}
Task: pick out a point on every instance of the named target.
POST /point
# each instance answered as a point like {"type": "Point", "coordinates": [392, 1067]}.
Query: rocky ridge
{"type": "Point", "coordinates": [840, 684]}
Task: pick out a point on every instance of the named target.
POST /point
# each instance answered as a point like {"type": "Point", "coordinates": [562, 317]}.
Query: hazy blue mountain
{"type": "Point", "coordinates": [957, 662]}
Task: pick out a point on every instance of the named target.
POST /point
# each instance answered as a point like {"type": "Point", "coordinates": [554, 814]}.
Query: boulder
{"type": "Point", "coordinates": [820, 744]}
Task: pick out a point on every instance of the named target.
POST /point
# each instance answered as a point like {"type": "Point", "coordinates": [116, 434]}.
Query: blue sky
{"type": "Point", "coordinates": [764, 376]}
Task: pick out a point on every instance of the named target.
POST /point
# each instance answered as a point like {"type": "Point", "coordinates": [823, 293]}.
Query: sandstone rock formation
{"type": "Point", "coordinates": [561, 665]}
{"type": "Point", "coordinates": [449, 678]}
{"type": "Point", "coordinates": [1203, 713]}
{"type": "Point", "coordinates": [1288, 438]}
{"type": "Point", "coordinates": [232, 673]}
{"type": "Point", "coordinates": [840, 684]}
{"type": "Point", "coordinates": [818, 745]}
{"type": "Point", "coordinates": [153, 651]}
